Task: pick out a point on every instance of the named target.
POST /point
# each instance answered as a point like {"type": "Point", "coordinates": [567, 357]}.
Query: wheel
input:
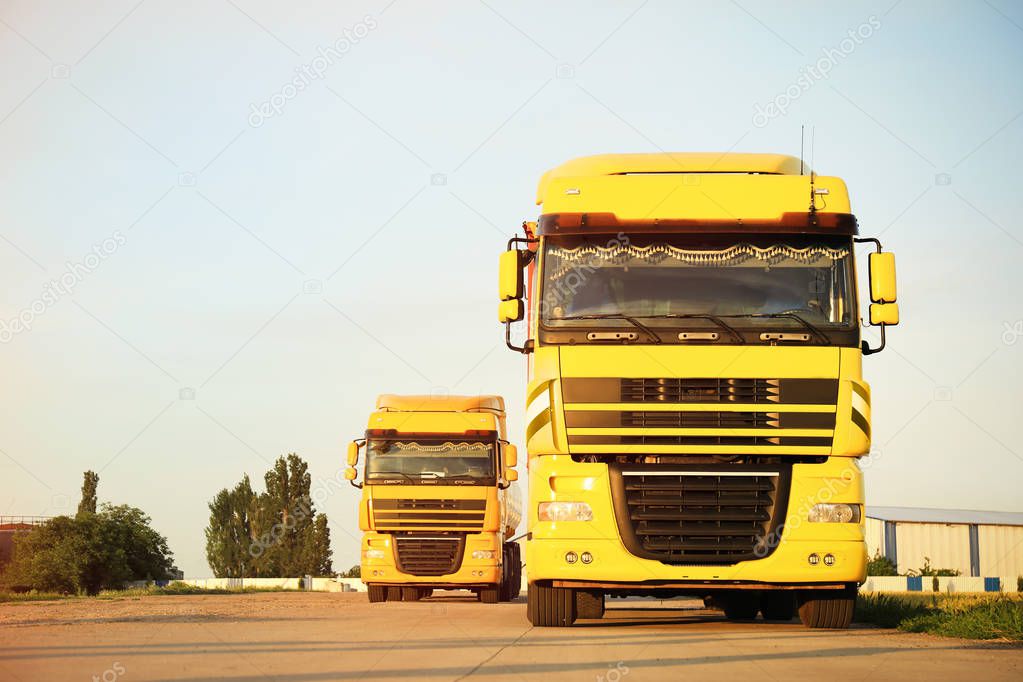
{"type": "Point", "coordinates": [425, 592]}
{"type": "Point", "coordinates": [411, 593]}
{"type": "Point", "coordinates": [826, 608]}
{"type": "Point", "coordinates": [490, 595]}
{"type": "Point", "coordinates": [741, 606]}
{"type": "Point", "coordinates": [550, 606]}
{"type": "Point", "coordinates": [778, 605]}
{"type": "Point", "coordinates": [511, 573]}
{"type": "Point", "coordinates": [393, 593]}
{"type": "Point", "coordinates": [377, 593]}
{"type": "Point", "coordinates": [589, 604]}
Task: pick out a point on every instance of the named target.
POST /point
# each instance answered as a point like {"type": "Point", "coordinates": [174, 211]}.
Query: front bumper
{"type": "Point", "coordinates": [558, 478]}
{"type": "Point", "coordinates": [471, 572]}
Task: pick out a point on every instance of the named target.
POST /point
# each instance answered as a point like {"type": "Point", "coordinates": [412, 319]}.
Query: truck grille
{"type": "Point", "coordinates": [695, 390]}
{"type": "Point", "coordinates": [704, 515]}
{"type": "Point", "coordinates": [429, 514]}
{"type": "Point", "coordinates": [428, 555]}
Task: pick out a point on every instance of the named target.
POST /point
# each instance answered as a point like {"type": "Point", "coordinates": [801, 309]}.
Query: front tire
{"type": "Point", "coordinates": [824, 609]}
{"type": "Point", "coordinates": [377, 593]}
{"type": "Point", "coordinates": [490, 595]}
{"type": "Point", "coordinates": [411, 593]}
{"type": "Point", "coordinates": [550, 606]}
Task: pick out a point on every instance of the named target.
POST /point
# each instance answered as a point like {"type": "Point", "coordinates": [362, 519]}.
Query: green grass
{"type": "Point", "coordinates": [969, 616]}
{"type": "Point", "coordinates": [174, 588]}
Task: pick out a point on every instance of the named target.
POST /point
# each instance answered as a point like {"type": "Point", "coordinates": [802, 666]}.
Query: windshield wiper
{"type": "Point", "coordinates": [392, 473]}
{"type": "Point", "coordinates": [792, 316]}
{"type": "Point", "coordinates": [614, 316]}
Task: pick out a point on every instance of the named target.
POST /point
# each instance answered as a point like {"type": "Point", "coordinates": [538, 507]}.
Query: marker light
{"type": "Point", "coordinates": [564, 511]}
{"type": "Point", "coordinates": [834, 513]}
{"type": "Point", "coordinates": [483, 554]}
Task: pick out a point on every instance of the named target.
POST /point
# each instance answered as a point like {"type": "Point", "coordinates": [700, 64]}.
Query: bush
{"type": "Point", "coordinates": [881, 565]}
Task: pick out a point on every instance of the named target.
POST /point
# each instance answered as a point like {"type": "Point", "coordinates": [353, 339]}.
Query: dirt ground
{"type": "Point", "coordinates": [306, 637]}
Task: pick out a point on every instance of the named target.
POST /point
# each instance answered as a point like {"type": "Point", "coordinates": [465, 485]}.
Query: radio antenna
{"type": "Point", "coordinates": [801, 137]}
{"type": "Point", "coordinates": [813, 197]}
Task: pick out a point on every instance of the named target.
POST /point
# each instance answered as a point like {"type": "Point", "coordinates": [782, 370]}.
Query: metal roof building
{"type": "Point", "coordinates": [976, 543]}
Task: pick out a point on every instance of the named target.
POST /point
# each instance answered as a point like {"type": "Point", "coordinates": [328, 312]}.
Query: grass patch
{"type": "Point", "coordinates": [969, 616]}
{"type": "Point", "coordinates": [174, 588]}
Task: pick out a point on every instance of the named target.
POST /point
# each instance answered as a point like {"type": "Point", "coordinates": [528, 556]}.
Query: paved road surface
{"type": "Point", "coordinates": [307, 637]}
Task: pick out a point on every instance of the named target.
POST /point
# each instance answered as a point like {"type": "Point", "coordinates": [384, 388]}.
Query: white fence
{"type": "Point", "coordinates": [901, 583]}
{"type": "Point", "coordinates": [308, 583]}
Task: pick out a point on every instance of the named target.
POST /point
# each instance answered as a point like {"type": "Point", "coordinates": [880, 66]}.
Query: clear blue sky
{"type": "Point", "coordinates": [288, 268]}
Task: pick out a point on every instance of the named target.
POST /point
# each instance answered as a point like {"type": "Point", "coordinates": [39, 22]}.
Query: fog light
{"type": "Point", "coordinates": [829, 559]}
{"type": "Point", "coordinates": [586, 558]}
{"type": "Point", "coordinates": [814, 559]}
{"type": "Point", "coordinates": [571, 557]}
{"type": "Point", "coordinates": [483, 554]}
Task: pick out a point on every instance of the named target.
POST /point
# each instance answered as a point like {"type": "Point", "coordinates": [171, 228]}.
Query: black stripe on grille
{"type": "Point", "coordinates": [698, 420]}
{"type": "Point", "coordinates": [703, 517]}
{"type": "Point", "coordinates": [428, 505]}
{"type": "Point", "coordinates": [790, 441]}
{"type": "Point", "coordinates": [428, 556]}
{"type": "Point", "coordinates": [694, 390]}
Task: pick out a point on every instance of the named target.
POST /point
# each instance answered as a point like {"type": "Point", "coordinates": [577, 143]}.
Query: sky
{"type": "Point", "coordinates": [226, 226]}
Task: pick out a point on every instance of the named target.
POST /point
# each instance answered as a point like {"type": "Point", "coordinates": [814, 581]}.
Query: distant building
{"type": "Point", "coordinates": [11, 525]}
{"type": "Point", "coordinates": [976, 543]}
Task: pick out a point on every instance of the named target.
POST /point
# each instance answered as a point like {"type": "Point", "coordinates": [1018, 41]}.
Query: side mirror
{"type": "Point", "coordinates": [511, 456]}
{"type": "Point", "coordinates": [511, 475]}
{"type": "Point", "coordinates": [350, 474]}
{"type": "Point", "coordinates": [353, 453]}
{"type": "Point", "coordinates": [884, 313]}
{"type": "Point", "coordinates": [510, 311]}
{"type": "Point", "coordinates": [511, 282]}
{"type": "Point", "coordinates": [882, 279]}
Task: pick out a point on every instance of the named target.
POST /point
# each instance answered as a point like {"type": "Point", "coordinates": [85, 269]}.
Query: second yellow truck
{"type": "Point", "coordinates": [439, 502]}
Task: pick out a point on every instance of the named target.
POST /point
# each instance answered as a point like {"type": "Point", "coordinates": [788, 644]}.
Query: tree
{"type": "Point", "coordinates": [353, 572]}
{"type": "Point", "coordinates": [87, 505]}
{"type": "Point", "coordinates": [272, 534]}
{"type": "Point", "coordinates": [89, 553]}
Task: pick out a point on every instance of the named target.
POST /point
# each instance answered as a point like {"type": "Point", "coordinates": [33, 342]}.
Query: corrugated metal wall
{"type": "Point", "coordinates": [874, 535]}
{"type": "Point", "coordinates": [1001, 550]}
{"type": "Point", "coordinates": [947, 546]}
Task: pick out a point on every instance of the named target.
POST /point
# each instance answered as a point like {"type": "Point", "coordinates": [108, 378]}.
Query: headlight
{"type": "Point", "coordinates": [483, 554]}
{"type": "Point", "coordinates": [564, 511]}
{"type": "Point", "coordinates": [834, 513]}
{"type": "Point", "coordinates": [373, 553]}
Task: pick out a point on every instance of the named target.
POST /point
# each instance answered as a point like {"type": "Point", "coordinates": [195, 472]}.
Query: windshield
{"type": "Point", "coordinates": [745, 282]}
{"type": "Point", "coordinates": [430, 460]}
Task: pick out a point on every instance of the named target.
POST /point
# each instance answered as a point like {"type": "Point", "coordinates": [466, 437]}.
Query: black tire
{"type": "Point", "coordinates": [589, 604]}
{"type": "Point", "coordinates": [550, 606]}
{"type": "Point", "coordinates": [425, 592]}
{"type": "Point", "coordinates": [377, 593]}
{"type": "Point", "coordinates": [742, 606]}
{"type": "Point", "coordinates": [393, 593]}
{"type": "Point", "coordinates": [411, 593]}
{"type": "Point", "coordinates": [778, 606]}
{"type": "Point", "coordinates": [490, 595]}
{"type": "Point", "coordinates": [827, 609]}
{"type": "Point", "coordinates": [511, 572]}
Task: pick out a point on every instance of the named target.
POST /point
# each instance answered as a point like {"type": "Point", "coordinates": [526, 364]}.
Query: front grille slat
{"type": "Point", "coordinates": [428, 556]}
{"type": "Point", "coordinates": [700, 517]}
{"type": "Point", "coordinates": [426, 513]}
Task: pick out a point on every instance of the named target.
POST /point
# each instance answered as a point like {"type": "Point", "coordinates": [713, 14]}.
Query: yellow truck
{"type": "Point", "coordinates": [439, 501]}
{"type": "Point", "coordinates": [695, 406]}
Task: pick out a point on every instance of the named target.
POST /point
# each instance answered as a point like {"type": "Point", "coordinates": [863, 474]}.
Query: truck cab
{"type": "Point", "coordinates": [439, 501]}
{"type": "Point", "coordinates": [696, 407]}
